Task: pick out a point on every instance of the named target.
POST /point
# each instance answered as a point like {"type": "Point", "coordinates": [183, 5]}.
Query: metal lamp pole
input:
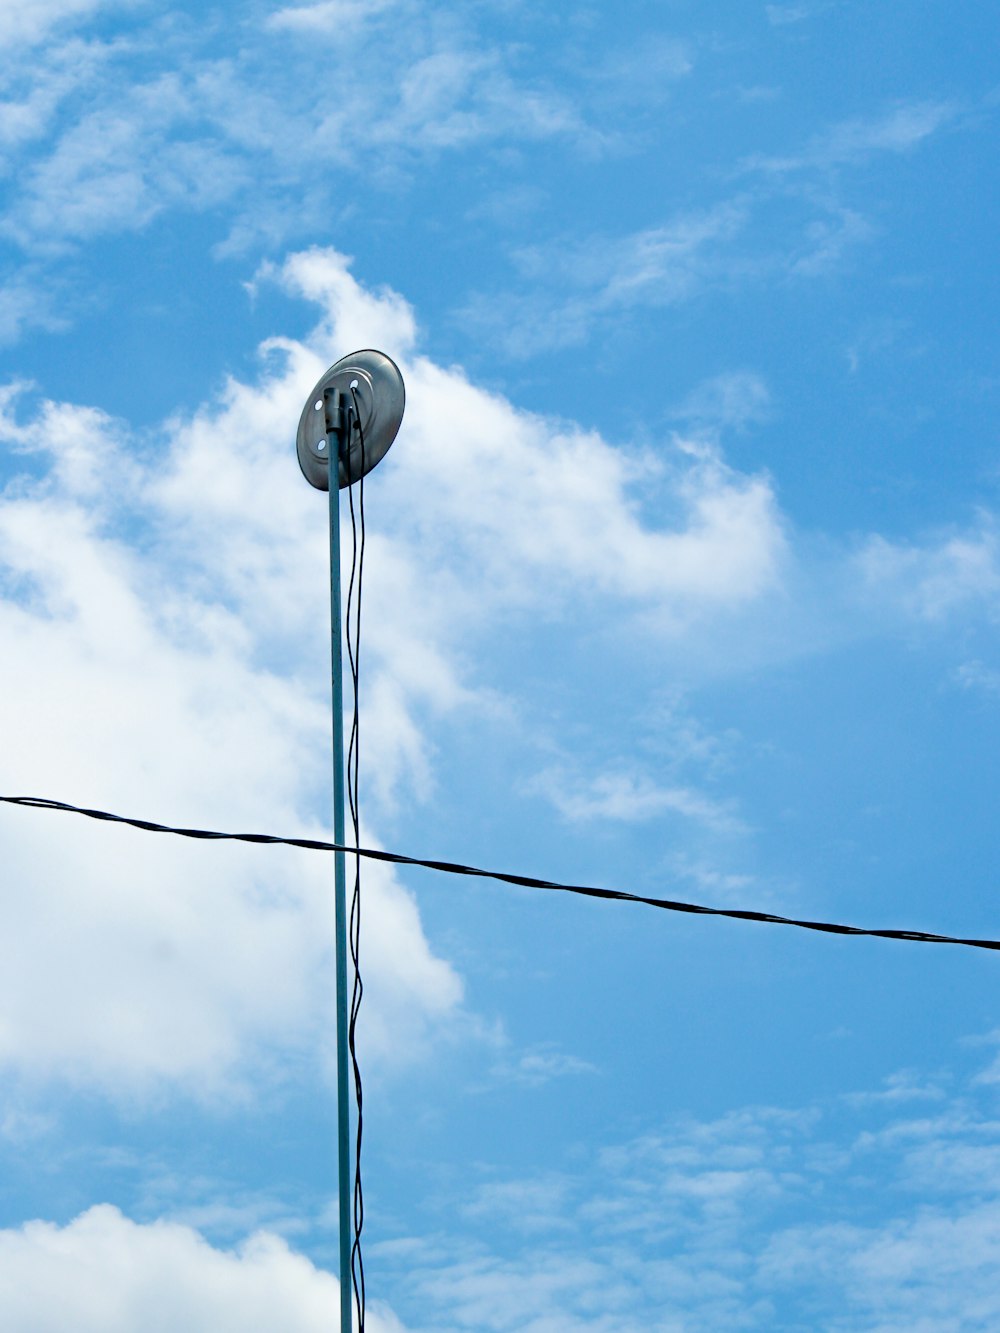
{"type": "Point", "coordinates": [340, 898]}
{"type": "Point", "coordinates": [347, 425]}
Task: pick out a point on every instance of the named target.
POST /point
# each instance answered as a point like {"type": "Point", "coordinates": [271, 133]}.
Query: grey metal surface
{"type": "Point", "coordinates": [381, 397]}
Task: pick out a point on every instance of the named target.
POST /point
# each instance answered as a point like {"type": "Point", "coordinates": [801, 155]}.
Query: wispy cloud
{"type": "Point", "coordinates": [639, 75]}
{"type": "Point", "coordinates": [570, 288]}
{"type": "Point", "coordinates": [631, 799]}
{"type": "Point", "coordinates": [851, 142]}
{"type": "Point", "coordinates": [976, 675]}
{"type": "Point", "coordinates": [536, 1205]}
{"type": "Point", "coordinates": [718, 885]}
{"type": "Point", "coordinates": [944, 575]}
{"type": "Point", "coordinates": [574, 283]}
{"type": "Point", "coordinates": [185, 129]}
{"type": "Point", "coordinates": [730, 401]}
{"type": "Point", "coordinates": [781, 16]}
{"type": "Point", "coordinates": [27, 22]}
{"type": "Point", "coordinates": [784, 222]}
{"type": "Point", "coordinates": [763, 1218]}
{"type": "Point", "coordinates": [327, 16]}
{"type": "Point", "coordinates": [540, 1065]}
{"type": "Point", "coordinates": [758, 1220]}
{"type": "Point", "coordinates": [30, 301]}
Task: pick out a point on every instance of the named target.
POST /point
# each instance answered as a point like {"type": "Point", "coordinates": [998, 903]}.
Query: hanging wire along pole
{"type": "Point", "coordinates": [353, 626]}
{"type": "Point", "coordinates": [507, 877]}
{"type": "Point", "coordinates": [340, 882]}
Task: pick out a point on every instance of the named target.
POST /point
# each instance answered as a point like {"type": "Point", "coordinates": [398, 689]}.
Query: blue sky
{"type": "Point", "coordinates": [683, 576]}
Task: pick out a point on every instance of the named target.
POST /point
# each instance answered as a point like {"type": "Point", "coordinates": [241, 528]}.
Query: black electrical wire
{"type": "Point", "coordinates": [506, 877]}
{"type": "Point", "coordinates": [353, 621]}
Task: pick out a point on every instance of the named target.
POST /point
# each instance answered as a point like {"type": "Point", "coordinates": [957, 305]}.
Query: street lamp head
{"type": "Point", "coordinates": [355, 409]}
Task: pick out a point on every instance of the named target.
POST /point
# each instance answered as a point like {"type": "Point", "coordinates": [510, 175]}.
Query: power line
{"type": "Point", "coordinates": [505, 877]}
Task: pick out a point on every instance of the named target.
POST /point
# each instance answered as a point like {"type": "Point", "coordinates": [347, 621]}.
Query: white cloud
{"type": "Point", "coordinates": [160, 676]}
{"type": "Point", "coordinates": [540, 1065]}
{"type": "Point", "coordinates": [940, 578]}
{"type": "Point", "coordinates": [631, 799]}
{"type": "Point", "coordinates": [186, 130]}
{"type": "Point", "coordinates": [733, 400]}
{"type": "Point", "coordinates": [103, 1273]}
{"type": "Point", "coordinates": [759, 1220]}
{"type": "Point", "coordinates": [827, 240]}
{"type": "Point", "coordinates": [323, 276]}
{"type": "Point", "coordinates": [724, 886]}
{"type": "Point", "coordinates": [36, 90]}
{"type": "Point", "coordinates": [577, 282]}
{"type": "Point", "coordinates": [573, 284]}
{"type": "Point", "coordinates": [573, 513]}
{"type": "Point", "coordinates": [780, 16]}
{"type": "Point", "coordinates": [26, 302]}
{"type": "Point", "coordinates": [665, 263]}
{"type": "Point", "coordinates": [454, 542]}
{"type": "Point", "coordinates": [538, 1204]}
{"type": "Point", "coordinates": [116, 167]}
{"type": "Point", "coordinates": [328, 15]}
{"type": "Point", "coordinates": [928, 1273]}
{"type": "Point", "coordinates": [977, 675]}
{"type": "Point", "coordinates": [454, 97]}
{"type": "Point", "coordinates": [27, 22]}
{"type": "Point", "coordinates": [129, 682]}
{"type": "Point", "coordinates": [182, 675]}
{"type": "Point", "coordinates": [904, 1086]}
{"type": "Point", "coordinates": [643, 72]}
{"type": "Point", "coordinates": [648, 1234]}
{"type": "Point", "coordinates": [898, 130]}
